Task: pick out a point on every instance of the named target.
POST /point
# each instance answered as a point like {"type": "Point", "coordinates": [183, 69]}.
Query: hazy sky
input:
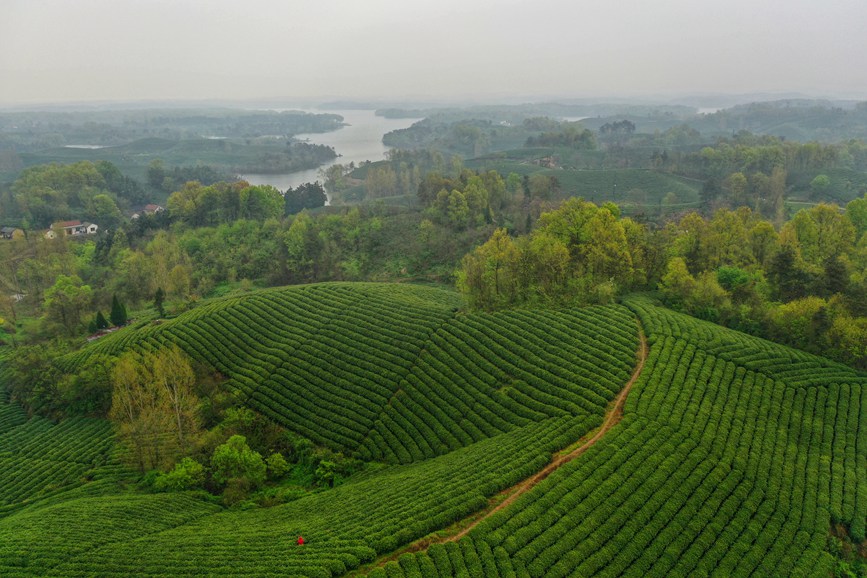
{"type": "Point", "coordinates": [83, 50]}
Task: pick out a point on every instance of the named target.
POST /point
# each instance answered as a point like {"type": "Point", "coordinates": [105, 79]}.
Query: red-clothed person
{"type": "Point", "coordinates": [300, 541]}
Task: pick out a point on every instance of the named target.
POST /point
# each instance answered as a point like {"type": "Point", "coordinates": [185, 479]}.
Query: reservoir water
{"type": "Point", "coordinates": [360, 140]}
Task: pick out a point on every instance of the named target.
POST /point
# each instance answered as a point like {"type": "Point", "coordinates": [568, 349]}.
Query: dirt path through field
{"type": "Point", "coordinates": [612, 418]}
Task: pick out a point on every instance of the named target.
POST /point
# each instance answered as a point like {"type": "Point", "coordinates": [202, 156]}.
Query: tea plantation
{"type": "Point", "coordinates": [733, 457]}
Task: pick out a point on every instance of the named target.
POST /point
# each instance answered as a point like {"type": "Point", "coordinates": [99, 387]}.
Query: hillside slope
{"type": "Point", "coordinates": [393, 372]}
{"type": "Point", "coordinates": [470, 404]}
{"type": "Point", "coordinates": [734, 458]}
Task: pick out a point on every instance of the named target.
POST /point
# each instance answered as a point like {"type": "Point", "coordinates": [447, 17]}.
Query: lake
{"type": "Point", "coordinates": [359, 141]}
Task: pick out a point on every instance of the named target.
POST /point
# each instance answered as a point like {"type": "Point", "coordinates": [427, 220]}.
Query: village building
{"type": "Point", "coordinates": [147, 210]}
{"type": "Point", "coordinates": [71, 229]}
{"type": "Point", "coordinates": [11, 233]}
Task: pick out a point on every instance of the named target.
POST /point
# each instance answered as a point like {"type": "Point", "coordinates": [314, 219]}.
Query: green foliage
{"type": "Point", "coordinates": [856, 210]}
{"type": "Point", "coordinates": [570, 134]}
{"type": "Point", "coordinates": [222, 202]}
{"type": "Point", "coordinates": [186, 475]}
{"type": "Point", "coordinates": [305, 196]}
{"type": "Point", "coordinates": [277, 465]}
{"type": "Point", "coordinates": [579, 253]}
{"type": "Point", "coordinates": [66, 301]}
{"type": "Point", "coordinates": [235, 460]}
{"type": "Point", "coordinates": [118, 315]}
{"type": "Point", "coordinates": [159, 299]}
{"type": "Point", "coordinates": [101, 322]}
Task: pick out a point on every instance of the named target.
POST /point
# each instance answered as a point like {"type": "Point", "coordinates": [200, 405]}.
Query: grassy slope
{"type": "Point", "coordinates": [733, 458]}
{"type": "Point", "coordinates": [348, 364]}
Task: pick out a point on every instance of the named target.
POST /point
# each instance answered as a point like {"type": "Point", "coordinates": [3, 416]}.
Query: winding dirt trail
{"type": "Point", "coordinates": [612, 418]}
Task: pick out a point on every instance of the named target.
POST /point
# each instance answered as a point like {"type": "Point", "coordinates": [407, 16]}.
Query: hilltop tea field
{"type": "Point", "coordinates": [615, 440]}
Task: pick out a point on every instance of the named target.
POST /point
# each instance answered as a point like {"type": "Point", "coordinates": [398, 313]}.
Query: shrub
{"type": "Point", "coordinates": [187, 474]}
{"type": "Point", "coordinates": [235, 460]}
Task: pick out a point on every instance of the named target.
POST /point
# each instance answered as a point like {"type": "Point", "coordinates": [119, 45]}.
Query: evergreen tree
{"type": "Point", "coordinates": [118, 312]}
{"type": "Point", "coordinates": [159, 297]}
{"type": "Point", "coordinates": [101, 321]}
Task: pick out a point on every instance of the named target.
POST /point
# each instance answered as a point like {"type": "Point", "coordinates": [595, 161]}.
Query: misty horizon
{"type": "Point", "coordinates": [448, 52]}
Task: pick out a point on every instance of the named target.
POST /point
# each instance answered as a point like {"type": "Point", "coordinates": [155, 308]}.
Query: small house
{"type": "Point", "coordinates": [150, 209]}
{"type": "Point", "coordinates": [11, 233]}
{"type": "Point", "coordinates": [71, 229]}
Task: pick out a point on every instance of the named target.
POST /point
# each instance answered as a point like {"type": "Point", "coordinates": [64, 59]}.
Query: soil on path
{"type": "Point", "coordinates": [612, 418]}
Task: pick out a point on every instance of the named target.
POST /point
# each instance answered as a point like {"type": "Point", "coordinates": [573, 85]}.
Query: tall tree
{"type": "Point", "coordinates": [172, 372]}
{"type": "Point", "coordinates": [118, 314]}
{"type": "Point", "coordinates": [65, 302]}
{"type": "Point", "coordinates": [488, 276]}
{"type": "Point", "coordinates": [138, 410]}
{"type": "Point", "coordinates": [154, 405]}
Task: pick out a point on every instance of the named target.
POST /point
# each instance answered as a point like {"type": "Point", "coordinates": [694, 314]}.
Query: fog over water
{"type": "Point", "coordinates": [99, 50]}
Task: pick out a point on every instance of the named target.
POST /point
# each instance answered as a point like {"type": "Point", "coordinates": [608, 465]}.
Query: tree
{"type": "Point", "coordinates": [735, 185]}
{"type": "Point", "coordinates": [545, 268]}
{"type": "Point", "coordinates": [235, 459]}
{"type": "Point", "coordinates": [174, 374]}
{"type": "Point", "coordinates": [820, 185]}
{"type": "Point", "coordinates": [118, 314]}
{"type": "Point", "coordinates": [488, 276]}
{"type": "Point", "coordinates": [103, 210]}
{"type": "Point", "coordinates": [856, 210]}
{"type": "Point", "coordinates": [305, 196]}
{"type": "Point", "coordinates": [303, 244]}
{"type": "Point", "coordinates": [101, 321]}
{"type": "Point", "coordinates": [66, 300]}
{"type": "Point", "coordinates": [458, 210]}
{"type": "Point", "coordinates": [543, 187]}
{"type": "Point", "coordinates": [677, 285]}
{"type": "Point", "coordinates": [159, 299]}
{"type": "Point", "coordinates": [154, 406]}
{"type": "Point", "coordinates": [789, 279]}
{"type": "Point", "coordinates": [138, 410]}
{"type": "Point", "coordinates": [260, 203]}
{"type": "Point", "coordinates": [277, 465]}
{"type": "Point", "coordinates": [186, 475]}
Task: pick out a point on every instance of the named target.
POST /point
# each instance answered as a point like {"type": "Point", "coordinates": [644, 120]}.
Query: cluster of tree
{"type": "Point", "coordinates": [617, 127]}
{"type": "Point", "coordinates": [169, 180]}
{"type": "Point", "coordinates": [198, 205]}
{"type": "Point", "coordinates": [802, 120]}
{"type": "Point", "coordinates": [398, 175]}
{"type": "Point", "coordinates": [741, 170]}
{"type": "Point", "coordinates": [294, 156]}
{"type": "Point", "coordinates": [578, 253]}
{"type": "Point", "coordinates": [39, 129]}
{"type": "Point", "coordinates": [477, 137]}
{"type": "Point", "coordinates": [45, 194]}
{"type": "Point", "coordinates": [176, 423]}
{"type": "Point", "coordinates": [118, 315]}
{"type": "Point", "coordinates": [803, 284]}
{"type": "Point", "coordinates": [570, 134]}
{"type": "Point", "coordinates": [66, 284]}
{"type": "Point", "coordinates": [469, 200]}
{"type": "Point", "coordinates": [304, 196]}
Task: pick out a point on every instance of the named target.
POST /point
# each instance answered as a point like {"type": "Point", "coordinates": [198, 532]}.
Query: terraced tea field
{"type": "Point", "coordinates": [732, 456]}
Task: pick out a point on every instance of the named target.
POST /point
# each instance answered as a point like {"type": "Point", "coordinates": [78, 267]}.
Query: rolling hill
{"type": "Point", "coordinates": [732, 456]}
